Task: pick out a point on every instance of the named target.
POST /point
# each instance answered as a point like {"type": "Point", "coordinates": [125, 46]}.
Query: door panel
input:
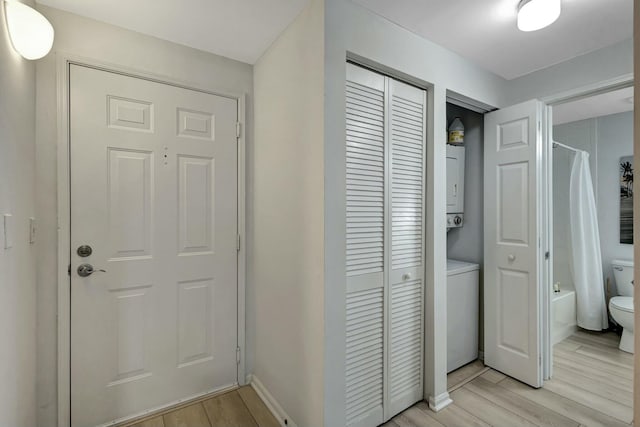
{"type": "Point", "coordinates": [513, 256]}
{"type": "Point", "coordinates": [365, 240]}
{"type": "Point", "coordinates": [154, 193]}
{"type": "Point", "coordinates": [406, 286]}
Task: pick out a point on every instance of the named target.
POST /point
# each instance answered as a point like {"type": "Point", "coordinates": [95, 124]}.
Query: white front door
{"type": "Point", "coordinates": [512, 233]}
{"type": "Point", "coordinates": [154, 195]}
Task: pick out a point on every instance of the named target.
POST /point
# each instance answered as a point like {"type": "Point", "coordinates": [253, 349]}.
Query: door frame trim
{"type": "Point", "coordinates": [63, 62]}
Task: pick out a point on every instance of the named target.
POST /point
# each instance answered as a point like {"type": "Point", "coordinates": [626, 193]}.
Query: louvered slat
{"type": "Point", "coordinates": [365, 179]}
{"type": "Point", "coordinates": [364, 357]}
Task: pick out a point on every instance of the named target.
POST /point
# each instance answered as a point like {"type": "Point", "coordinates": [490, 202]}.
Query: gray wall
{"type": "Point", "coordinates": [582, 72]}
{"type": "Point", "coordinates": [288, 265]}
{"type": "Point", "coordinates": [92, 39]}
{"type": "Point", "coordinates": [352, 30]}
{"type": "Point", "coordinates": [606, 138]}
{"type": "Point", "coordinates": [17, 197]}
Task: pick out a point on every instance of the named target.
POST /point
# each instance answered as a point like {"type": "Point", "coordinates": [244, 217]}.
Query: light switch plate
{"type": "Point", "coordinates": [8, 231]}
{"type": "Point", "coordinates": [32, 230]}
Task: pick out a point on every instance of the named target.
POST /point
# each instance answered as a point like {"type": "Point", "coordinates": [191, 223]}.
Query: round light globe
{"type": "Point", "coordinates": [536, 14]}
{"type": "Point", "coordinates": [31, 33]}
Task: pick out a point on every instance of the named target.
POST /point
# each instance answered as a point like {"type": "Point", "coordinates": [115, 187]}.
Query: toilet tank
{"type": "Point", "coordinates": [623, 274]}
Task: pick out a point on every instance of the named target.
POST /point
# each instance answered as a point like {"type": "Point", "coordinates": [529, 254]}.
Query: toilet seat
{"type": "Point", "coordinates": [622, 303]}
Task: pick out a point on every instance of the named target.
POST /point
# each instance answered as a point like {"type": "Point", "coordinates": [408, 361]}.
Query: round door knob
{"type": "Point", "coordinates": [406, 276]}
{"type": "Point", "coordinates": [512, 258]}
{"type": "Point", "coordinates": [457, 220]}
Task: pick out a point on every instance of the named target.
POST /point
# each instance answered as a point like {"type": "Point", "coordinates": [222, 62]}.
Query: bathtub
{"type": "Point", "coordinates": [563, 315]}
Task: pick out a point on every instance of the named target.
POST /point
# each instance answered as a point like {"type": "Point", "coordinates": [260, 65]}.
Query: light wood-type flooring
{"type": "Point", "coordinates": [591, 386]}
{"type": "Point", "coordinates": [237, 408]}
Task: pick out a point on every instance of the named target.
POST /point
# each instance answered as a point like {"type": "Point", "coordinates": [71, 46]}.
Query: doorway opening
{"type": "Point", "coordinates": [589, 373]}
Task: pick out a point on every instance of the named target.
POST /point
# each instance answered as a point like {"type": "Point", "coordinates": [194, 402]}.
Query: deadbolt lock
{"type": "Point", "coordinates": [84, 251]}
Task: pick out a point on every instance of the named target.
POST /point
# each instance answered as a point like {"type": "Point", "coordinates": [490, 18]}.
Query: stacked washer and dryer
{"type": "Point", "coordinates": [462, 277]}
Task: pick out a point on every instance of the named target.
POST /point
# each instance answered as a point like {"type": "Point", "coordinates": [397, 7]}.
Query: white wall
{"type": "Point", "coordinates": [17, 197]}
{"type": "Point", "coordinates": [88, 38]}
{"type": "Point", "coordinates": [390, 48]}
{"type": "Point", "coordinates": [288, 235]}
{"type": "Point", "coordinates": [606, 138]}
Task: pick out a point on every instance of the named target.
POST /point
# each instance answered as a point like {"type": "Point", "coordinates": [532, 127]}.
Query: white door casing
{"type": "Point", "coordinates": [512, 233]}
{"type": "Point", "coordinates": [154, 193]}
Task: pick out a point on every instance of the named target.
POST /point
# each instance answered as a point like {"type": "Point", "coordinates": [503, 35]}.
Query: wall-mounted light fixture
{"type": "Point", "coordinates": [31, 33]}
{"type": "Point", "coordinates": [536, 14]}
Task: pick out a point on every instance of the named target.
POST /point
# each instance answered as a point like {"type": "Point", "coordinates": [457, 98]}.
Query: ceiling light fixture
{"type": "Point", "coordinates": [536, 14]}
{"type": "Point", "coordinates": [31, 33]}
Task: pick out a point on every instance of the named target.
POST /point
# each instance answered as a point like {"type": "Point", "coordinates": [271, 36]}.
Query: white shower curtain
{"type": "Point", "coordinates": [585, 248]}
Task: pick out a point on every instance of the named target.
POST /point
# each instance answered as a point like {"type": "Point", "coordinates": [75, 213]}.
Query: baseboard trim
{"type": "Point", "coordinates": [283, 418]}
{"type": "Point", "coordinates": [440, 401]}
{"type": "Point", "coordinates": [248, 379]}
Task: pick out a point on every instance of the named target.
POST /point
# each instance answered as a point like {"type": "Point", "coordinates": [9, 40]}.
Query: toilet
{"type": "Point", "coordinates": [621, 307]}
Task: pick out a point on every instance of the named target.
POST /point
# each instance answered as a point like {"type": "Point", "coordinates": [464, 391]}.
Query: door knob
{"type": "Point", "coordinates": [512, 258]}
{"type": "Point", "coordinates": [85, 270]}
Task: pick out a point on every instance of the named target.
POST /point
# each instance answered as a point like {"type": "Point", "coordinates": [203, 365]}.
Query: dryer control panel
{"type": "Point", "coordinates": [455, 220]}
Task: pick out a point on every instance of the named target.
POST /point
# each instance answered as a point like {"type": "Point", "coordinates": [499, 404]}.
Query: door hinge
{"type": "Point", "coordinates": [238, 244]}
{"type": "Point", "coordinates": [237, 355]}
{"type": "Point", "coordinates": [238, 128]}
{"type": "Point", "coordinates": [69, 269]}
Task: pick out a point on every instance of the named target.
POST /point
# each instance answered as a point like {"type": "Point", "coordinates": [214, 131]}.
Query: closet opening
{"type": "Point", "coordinates": [465, 242]}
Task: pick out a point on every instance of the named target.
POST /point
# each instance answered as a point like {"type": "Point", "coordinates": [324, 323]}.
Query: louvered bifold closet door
{"type": "Point", "coordinates": [365, 167]}
{"type": "Point", "coordinates": [407, 105]}
{"type": "Point", "coordinates": [385, 133]}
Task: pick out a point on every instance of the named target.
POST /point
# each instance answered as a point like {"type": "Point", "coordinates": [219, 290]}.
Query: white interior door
{"type": "Point", "coordinates": [154, 194]}
{"type": "Point", "coordinates": [513, 254]}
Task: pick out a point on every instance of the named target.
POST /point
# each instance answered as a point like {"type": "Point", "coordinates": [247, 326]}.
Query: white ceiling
{"type": "Point", "coordinates": [604, 104]}
{"type": "Point", "coordinates": [238, 29]}
{"type": "Point", "coordinates": [484, 31]}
